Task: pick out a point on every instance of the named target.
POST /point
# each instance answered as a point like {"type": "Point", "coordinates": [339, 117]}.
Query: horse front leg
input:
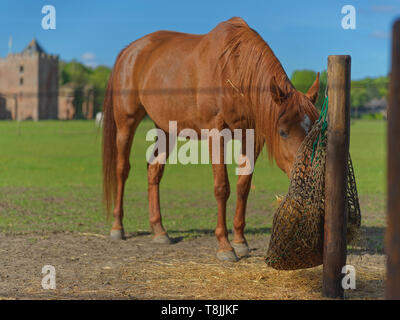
{"type": "Point", "coordinates": [239, 242]}
{"type": "Point", "coordinates": [222, 191]}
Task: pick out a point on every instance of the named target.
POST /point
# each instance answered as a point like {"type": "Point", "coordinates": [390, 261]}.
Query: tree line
{"type": "Point", "coordinates": [362, 91]}
{"type": "Point", "coordinates": [82, 79]}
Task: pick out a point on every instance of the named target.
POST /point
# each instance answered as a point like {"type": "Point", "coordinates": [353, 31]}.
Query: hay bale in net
{"type": "Point", "coordinates": [297, 236]}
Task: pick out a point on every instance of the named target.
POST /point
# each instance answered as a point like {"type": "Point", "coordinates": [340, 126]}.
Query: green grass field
{"type": "Point", "coordinates": [50, 180]}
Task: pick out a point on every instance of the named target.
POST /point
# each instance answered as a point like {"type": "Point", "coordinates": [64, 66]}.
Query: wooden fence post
{"type": "Point", "coordinates": [335, 241]}
{"type": "Point", "coordinates": [392, 243]}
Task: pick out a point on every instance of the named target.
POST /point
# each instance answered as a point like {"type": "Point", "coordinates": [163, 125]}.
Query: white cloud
{"type": "Point", "coordinates": [89, 59]}
{"type": "Point", "coordinates": [379, 10]}
{"type": "Point", "coordinates": [384, 9]}
{"type": "Point", "coordinates": [88, 56]}
{"type": "Point", "coordinates": [380, 34]}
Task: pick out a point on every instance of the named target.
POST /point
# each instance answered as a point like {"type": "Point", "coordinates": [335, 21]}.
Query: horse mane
{"type": "Point", "coordinates": [248, 64]}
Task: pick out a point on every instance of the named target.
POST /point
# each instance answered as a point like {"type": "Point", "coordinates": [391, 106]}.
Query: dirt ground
{"type": "Point", "coordinates": [90, 266]}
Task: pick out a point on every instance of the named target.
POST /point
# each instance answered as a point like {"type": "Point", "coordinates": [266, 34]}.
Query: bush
{"type": "Point", "coordinates": [372, 116]}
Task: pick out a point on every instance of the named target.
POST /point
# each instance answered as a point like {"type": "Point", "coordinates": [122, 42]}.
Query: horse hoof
{"type": "Point", "coordinates": [162, 239]}
{"type": "Point", "coordinates": [117, 234]}
{"type": "Point", "coordinates": [241, 249]}
{"type": "Point", "coordinates": [227, 256]}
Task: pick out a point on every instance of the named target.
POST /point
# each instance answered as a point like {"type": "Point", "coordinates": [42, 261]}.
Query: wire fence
{"type": "Point", "coordinates": [85, 103]}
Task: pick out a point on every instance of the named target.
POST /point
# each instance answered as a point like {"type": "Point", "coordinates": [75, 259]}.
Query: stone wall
{"type": "Point", "coordinates": [29, 86]}
{"type": "Point", "coordinates": [66, 108]}
{"type": "Point", "coordinates": [48, 86]}
{"type": "Point", "coordinates": [19, 82]}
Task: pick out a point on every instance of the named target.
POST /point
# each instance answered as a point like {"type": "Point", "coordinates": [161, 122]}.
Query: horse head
{"type": "Point", "coordinates": [295, 117]}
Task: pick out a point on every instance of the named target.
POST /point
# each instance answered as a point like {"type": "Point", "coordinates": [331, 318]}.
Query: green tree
{"type": "Point", "coordinates": [99, 79]}
{"type": "Point", "coordinates": [303, 80]}
{"type": "Point", "coordinates": [323, 80]}
{"type": "Point", "coordinates": [81, 76]}
{"type": "Point", "coordinates": [382, 85]}
{"type": "Point", "coordinates": [75, 72]}
{"type": "Point", "coordinates": [361, 92]}
{"type": "Point", "coordinates": [367, 89]}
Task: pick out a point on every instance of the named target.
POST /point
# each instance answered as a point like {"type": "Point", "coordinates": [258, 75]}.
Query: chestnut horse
{"type": "Point", "coordinates": [229, 79]}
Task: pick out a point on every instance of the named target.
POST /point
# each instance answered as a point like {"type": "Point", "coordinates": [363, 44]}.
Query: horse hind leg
{"type": "Point", "coordinates": [155, 170]}
{"type": "Point", "coordinates": [126, 127]}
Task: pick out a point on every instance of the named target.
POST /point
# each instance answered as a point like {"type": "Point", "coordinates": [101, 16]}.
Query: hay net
{"type": "Point", "coordinates": [298, 227]}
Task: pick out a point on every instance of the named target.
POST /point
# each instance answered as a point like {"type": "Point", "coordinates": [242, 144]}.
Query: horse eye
{"type": "Point", "coordinates": [283, 134]}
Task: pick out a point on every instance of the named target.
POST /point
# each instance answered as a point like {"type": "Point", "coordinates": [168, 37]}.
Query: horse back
{"type": "Point", "coordinates": [175, 76]}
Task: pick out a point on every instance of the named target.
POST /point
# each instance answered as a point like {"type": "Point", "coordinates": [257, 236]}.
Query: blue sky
{"type": "Point", "coordinates": [301, 33]}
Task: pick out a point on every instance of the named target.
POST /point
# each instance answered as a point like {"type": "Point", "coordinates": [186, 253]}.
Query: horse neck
{"type": "Point", "coordinates": [248, 64]}
{"type": "Point", "coordinates": [264, 110]}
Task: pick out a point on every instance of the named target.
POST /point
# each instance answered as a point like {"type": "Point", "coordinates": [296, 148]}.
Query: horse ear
{"type": "Point", "coordinates": [312, 93]}
{"type": "Point", "coordinates": [277, 93]}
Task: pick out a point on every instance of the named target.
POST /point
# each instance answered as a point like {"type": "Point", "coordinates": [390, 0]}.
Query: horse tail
{"type": "Point", "coordinates": [109, 149]}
